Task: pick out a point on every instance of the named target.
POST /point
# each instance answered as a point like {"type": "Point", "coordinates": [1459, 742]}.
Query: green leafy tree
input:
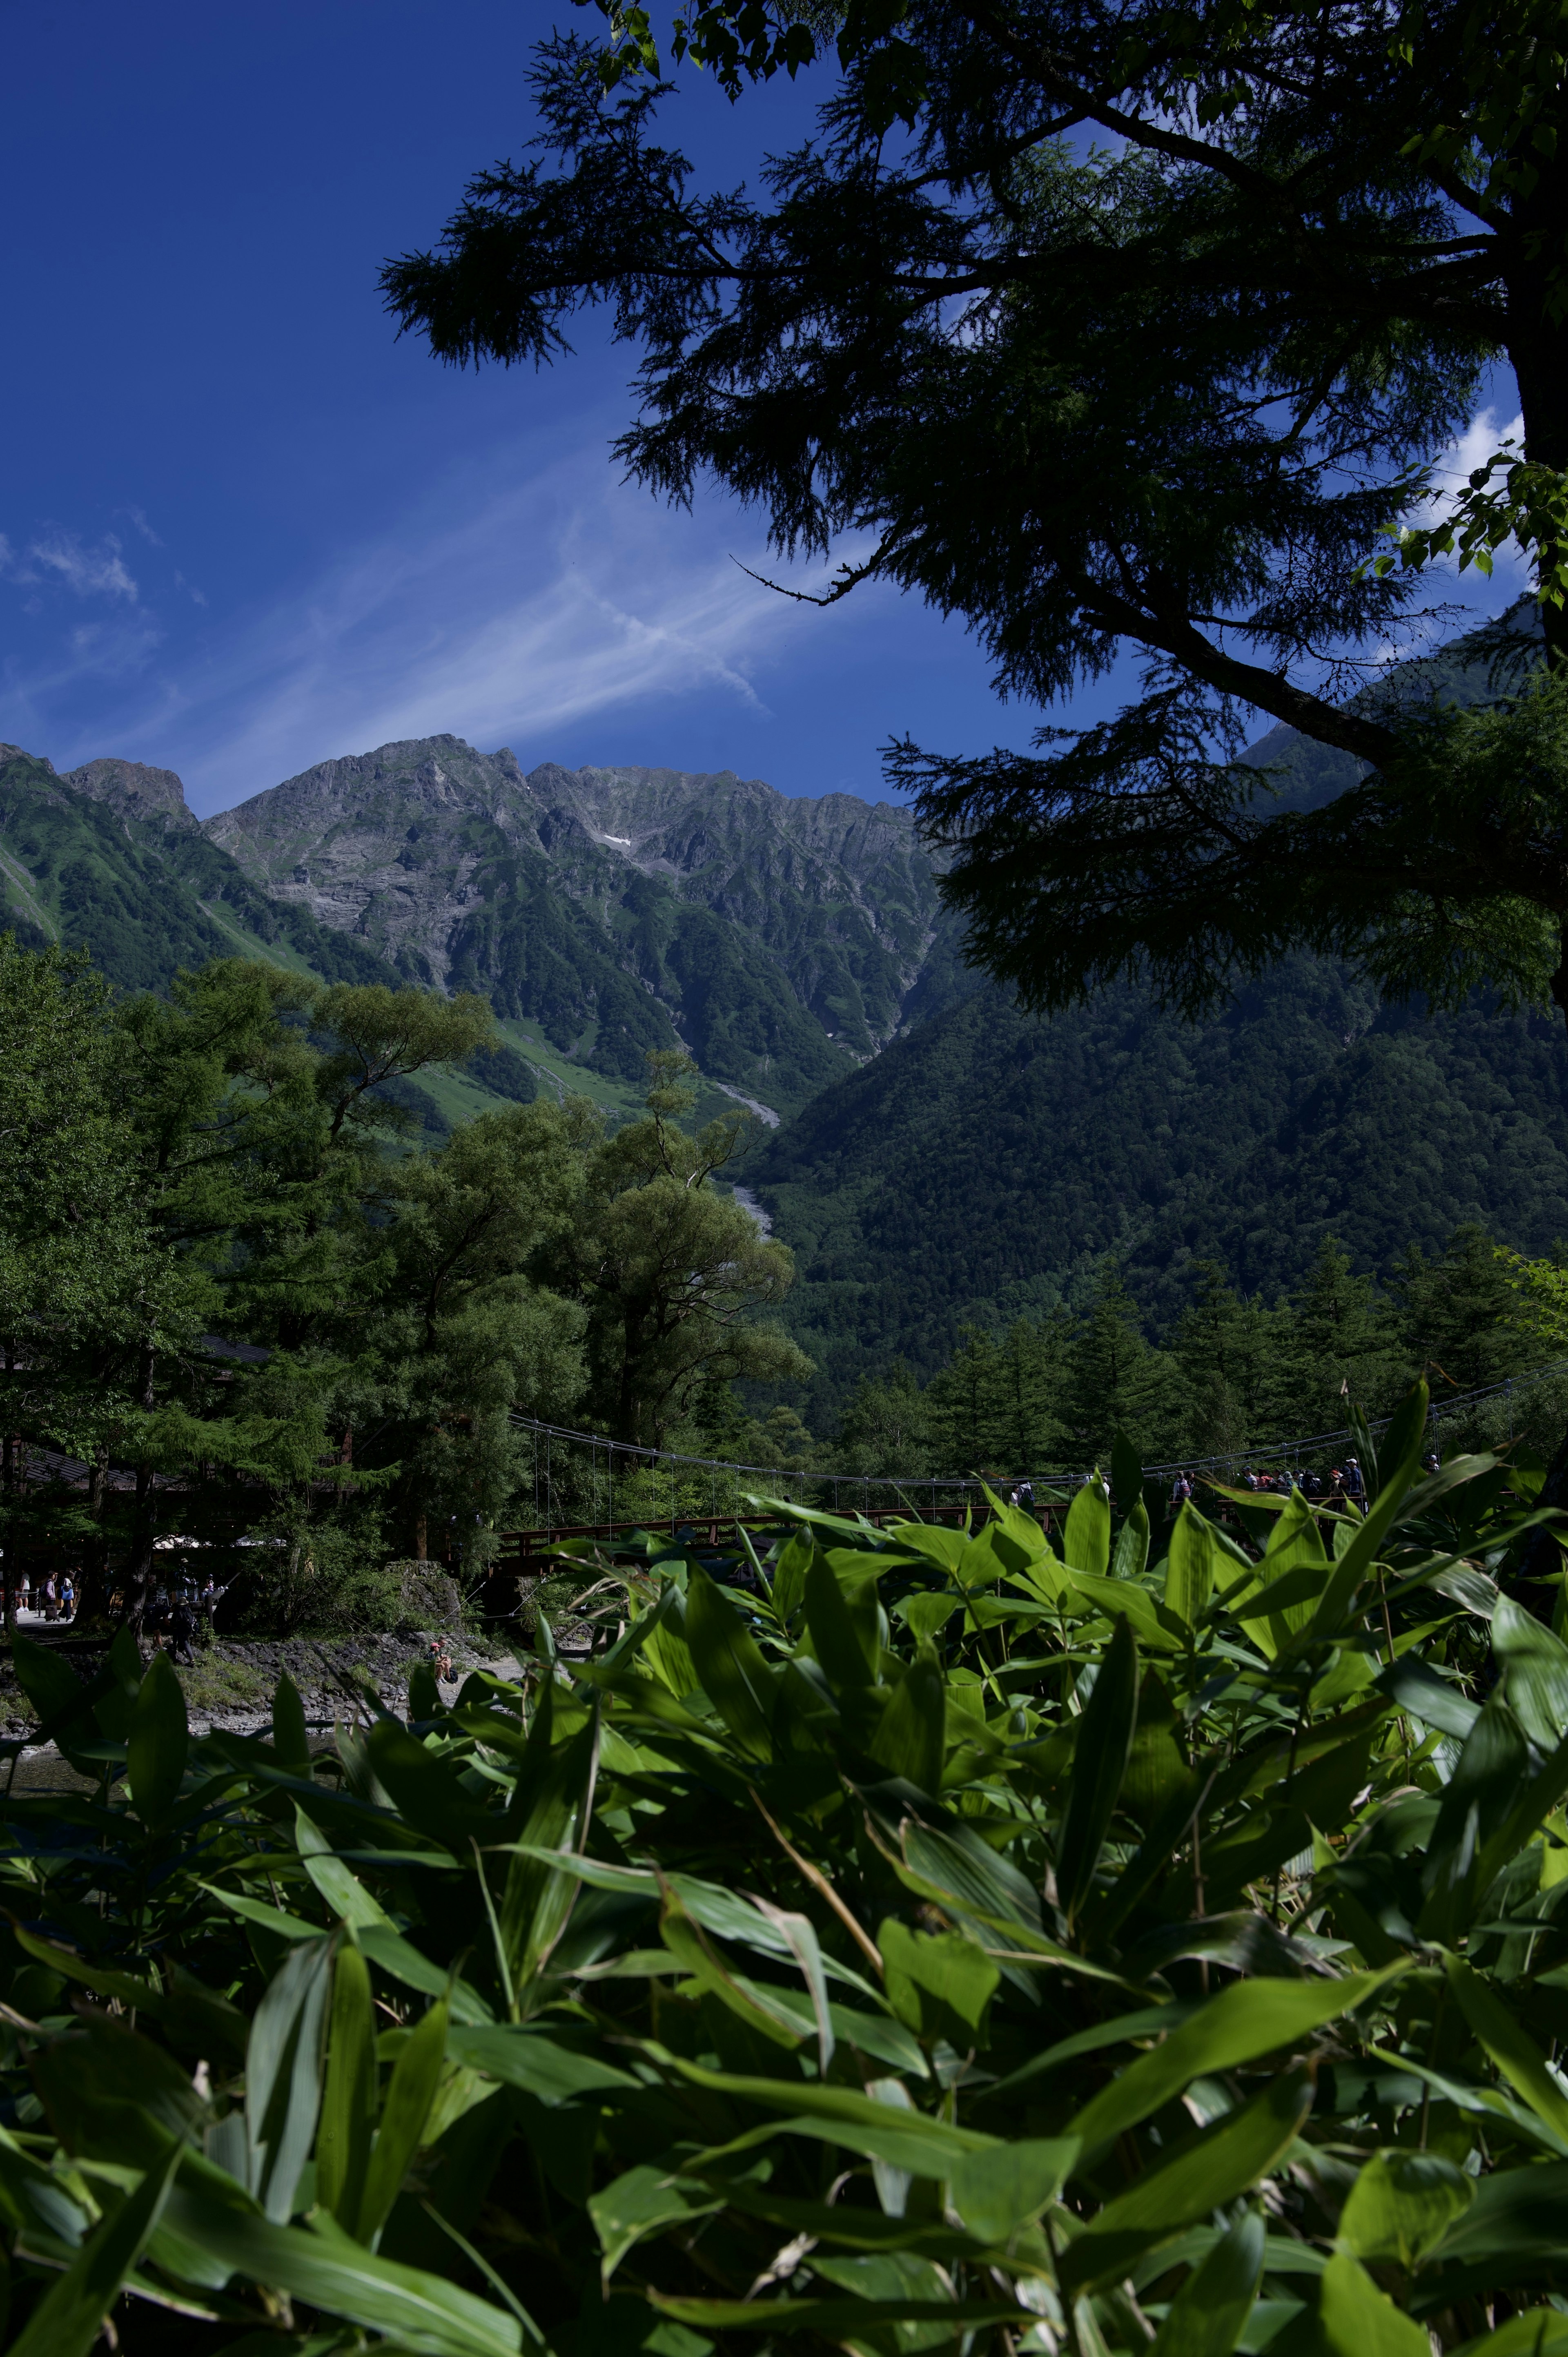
{"type": "Point", "coordinates": [1345, 1345]}
{"type": "Point", "coordinates": [1035, 1357]}
{"type": "Point", "coordinates": [886, 1426]}
{"type": "Point", "coordinates": [1455, 1315]}
{"type": "Point", "coordinates": [1234, 1356]}
{"type": "Point", "coordinates": [966, 1406]}
{"type": "Point", "coordinates": [82, 1277]}
{"type": "Point", "coordinates": [1155, 390]}
{"type": "Point", "coordinates": [1120, 1381]}
{"type": "Point", "coordinates": [462, 1335]}
{"type": "Point", "coordinates": [672, 1272]}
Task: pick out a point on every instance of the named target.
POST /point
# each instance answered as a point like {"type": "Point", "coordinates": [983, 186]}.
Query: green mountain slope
{"type": "Point", "coordinates": [979, 1168]}
{"type": "Point", "coordinates": [109, 857]}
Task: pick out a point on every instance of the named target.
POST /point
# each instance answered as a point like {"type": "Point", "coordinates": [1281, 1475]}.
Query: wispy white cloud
{"type": "Point", "coordinates": [97, 572]}
{"type": "Point", "coordinates": [501, 611]}
{"type": "Point", "coordinates": [144, 527]}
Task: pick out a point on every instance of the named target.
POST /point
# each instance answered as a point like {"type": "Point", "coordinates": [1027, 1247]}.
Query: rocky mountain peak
{"type": "Point", "coordinates": [136, 792]}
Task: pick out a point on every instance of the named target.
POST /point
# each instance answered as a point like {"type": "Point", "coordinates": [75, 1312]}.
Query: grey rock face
{"type": "Point", "coordinates": [137, 793]}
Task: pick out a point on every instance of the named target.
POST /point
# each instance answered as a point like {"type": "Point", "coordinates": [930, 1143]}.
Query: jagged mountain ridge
{"type": "Point", "coordinates": [109, 858]}
{"type": "Point", "coordinates": [783, 940]}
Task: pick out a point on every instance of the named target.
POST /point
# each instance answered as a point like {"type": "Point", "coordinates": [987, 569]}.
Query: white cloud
{"type": "Point", "coordinates": [1482, 439]}
{"type": "Point", "coordinates": [502, 610]}
{"type": "Point", "coordinates": [144, 527]}
{"type": "Point", "coordinates": [91, 572]}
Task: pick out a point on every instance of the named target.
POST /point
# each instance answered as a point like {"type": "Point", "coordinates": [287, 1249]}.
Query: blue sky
{"type": "Point", "coordinates": [243, 529]}
{"type": "Point", "coordinates": [246, 529]}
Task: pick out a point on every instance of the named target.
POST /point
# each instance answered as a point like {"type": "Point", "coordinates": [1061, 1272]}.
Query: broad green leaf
{"type": "Point", "coordinates": [926, 1615]}
{"type": "Point", "coordinates": [276, 1919]}
{"type": "Point", "coordinates": [788, 1587]}
{"type": "Point", "coordinates": [121, 1681]}
{"type": "Point", "coordinates": [842, 1632]}
{"type": "Point", "coordinates": [1242, 2023]}
{"type": "Point", "coordinates": [1286, 1588]}
{"type": "Point", "coordinates": [1086, 1537]}
{"type": "Point", "coordinates": [283, 2075]}
{"type": "Point", "coordinates": [665, 1649]}
{"type": "Point", "coordinates": [68, 2319]}
{"type": "Point", "coordinates": [159, 1743]}
{"type": "Point", "coordinates": [539, 1897]}
{"type": "Point", "coordinates": [290, 1739]}
{"type": "Point", "coordinates": [1356, 2319]}
{"type": "Point", "coordinates": [800, 1933]}
{"type": "Point", "coordinates": [426, 1789]}
{"type": "Point", "coordinates": [1534, 2332]}
{"type": "Point", "coordinates": [1406, 1432]}
{"type": "Point", "coordinates": [414, 2310]}
{"type": "Point", "coordinates": [996, 2192]}
{"type": "Point", "coordinates": [911, 1736]}
{"type": "Point", "coordinates": [939, 1983]}
{"type": "Point", "coordinates": [1099, 1764]}
{"type": "Point", "coordinates": [63, 1704]}
{"type": "Point", "coordinates": [1429, 1697]}
{"type": "Point", "coordinates": [1209, 2313]}
{"type": "Point", "coordinates": [850, 2323]}
{"type": "Point", "coordinates": [1482, 1803]}
{"type": "Point", "coordinates": [1190, 1567]}
{"type": "Point", "coordinates": [1019, 1529]}
{"type": "Point", "coordinates": [1125, 1600]}
{"type": "Point", "coordinates": [338, 1885]}
{"type": "Point", "coordinates": [1535, 1668]}
{"type": "Point", "coordinates": [423, 1694]}
{"type": "Point", "coordinates": [686, 1941]}
{"type": "Point", "coordinates": [416, 2076]}
{"type": "Point", "coordinates": [644, 2201]}
{"type": "Point", "coordinates": [1511, 2048]}
{"type": "Point", "coordinates": [349, 2099]}
{"type": "Point", "coordinates": [927, 2147]}
{"type": "Point", "coordinates": [1132, 1556]}
{"type": "Point", "coordinates": [551, 2073]}
{"type": "Point", "coordinates": [1157, 1765]}
{"type": "Point", "coordinates": [1203, 2173]}
{"type": "Point", "coordinates": [1401, 2205]}
{"type": "Point", "coordinates": [403, 1962]}
{"type": "Point", "coordinates": [730, 1667]}
{"type": "Point", "coordinates": [113, 2095]}
{"type": "Point", "coordinates": [140, 1995]}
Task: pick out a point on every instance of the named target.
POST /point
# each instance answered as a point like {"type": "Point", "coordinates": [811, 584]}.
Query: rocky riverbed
{"type": "Point", "coordinates": [233, 1683]}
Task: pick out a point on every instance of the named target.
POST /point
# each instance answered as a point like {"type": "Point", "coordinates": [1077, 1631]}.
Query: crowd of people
{"type": "Point", "coordinates": [177, 1612]}
{"type": "Point", "coordinates": [1340, 1485]}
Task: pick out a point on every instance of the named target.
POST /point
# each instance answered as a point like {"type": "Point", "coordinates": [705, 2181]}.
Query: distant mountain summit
{"type": "Point", "coordinates": [135, 794]}
{"type": "Point", "coordinates": [783, 940]}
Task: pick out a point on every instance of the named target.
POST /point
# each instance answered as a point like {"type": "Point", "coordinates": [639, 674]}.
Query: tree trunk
{"type": "Point", "coordinates": [139, 1569]}
{"type": "Point", "coordinates": [93, 1610]}
{"type": "Point", "coordinates": [8, 1568]}
{"type": "Point", "coordinates": [421, 1539]}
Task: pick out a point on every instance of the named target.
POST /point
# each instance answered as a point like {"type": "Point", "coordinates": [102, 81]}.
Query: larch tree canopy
{"type": "Point", "coordinates": [1115, 331]}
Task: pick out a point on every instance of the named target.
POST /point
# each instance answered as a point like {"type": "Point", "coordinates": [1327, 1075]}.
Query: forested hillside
{"type": "Point", "coordinates": [979, 1169]}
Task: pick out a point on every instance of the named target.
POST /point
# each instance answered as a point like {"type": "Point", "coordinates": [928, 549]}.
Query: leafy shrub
{"type": "Point", "coordinates": [941, 1942]}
